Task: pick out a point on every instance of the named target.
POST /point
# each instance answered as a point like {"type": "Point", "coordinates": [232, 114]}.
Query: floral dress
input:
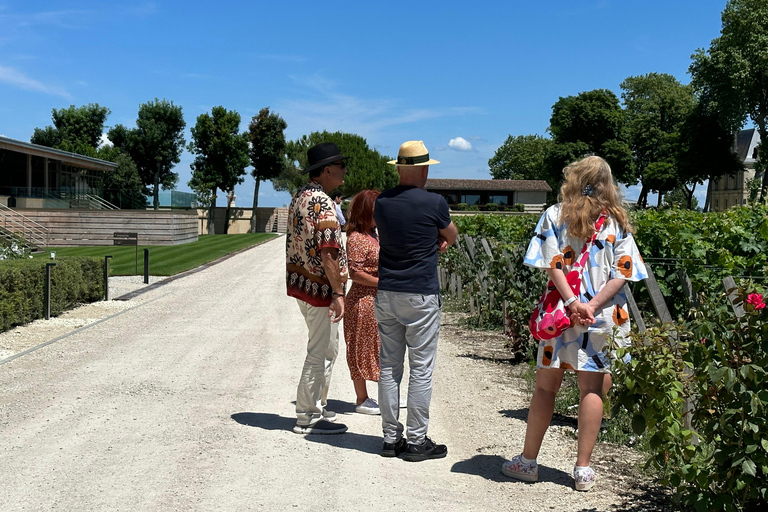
{"type": "Point", "coordinates": [361, 331]}
{"type": "Point", "coordinates": [613, 255]}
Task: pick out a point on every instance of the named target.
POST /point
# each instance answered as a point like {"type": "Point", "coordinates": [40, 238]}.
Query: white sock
{"type": "Point", "coordinates": [576, 469]}
{"type": "Point", "coordinates": [526, 461]}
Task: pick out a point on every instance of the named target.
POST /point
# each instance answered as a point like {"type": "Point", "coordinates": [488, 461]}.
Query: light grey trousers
{"type": "Point", "coordinates": [411, 321]}
{"type": "Point", "coordinates": [322, 349]}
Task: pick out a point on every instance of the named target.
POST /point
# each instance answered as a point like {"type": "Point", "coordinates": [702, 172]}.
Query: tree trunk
{"type": "Point", "coordinates": [156, 201]}
{"type": "Point", "coordinates": [658, 200]}
{"type": "Point", "coordinates": [228, 211]}
{"type": "Point", "coordinates": [255, 205]}
{"type": "Point", "coordinates": [689, 194]}
{"type": "Point", "coordinates": [708, 200]}
{"type": "Point", "coordinates": [761, 129]}
{"type": "Point", "coordinates": [642, 200]}
{"type": "Point", "coordinates": [211, 220]}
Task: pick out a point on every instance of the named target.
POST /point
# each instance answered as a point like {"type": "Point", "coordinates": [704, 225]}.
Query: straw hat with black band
{"type": "Point", "coordinates": [412, 154]}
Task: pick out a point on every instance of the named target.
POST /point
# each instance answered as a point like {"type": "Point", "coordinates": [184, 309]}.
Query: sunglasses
{"type": "Point", "coordinates": [341, 164]}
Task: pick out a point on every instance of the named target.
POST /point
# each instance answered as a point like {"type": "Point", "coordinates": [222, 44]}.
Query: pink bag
{"type": "Point", "coordinates": [550, 316]}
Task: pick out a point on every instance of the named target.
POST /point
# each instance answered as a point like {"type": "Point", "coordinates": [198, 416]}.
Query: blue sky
{"type": "Point", "coordinates": [461, 76]}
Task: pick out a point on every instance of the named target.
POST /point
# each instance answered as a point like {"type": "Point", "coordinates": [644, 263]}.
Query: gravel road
{"type": "Point", "coordinates": [181, 398]}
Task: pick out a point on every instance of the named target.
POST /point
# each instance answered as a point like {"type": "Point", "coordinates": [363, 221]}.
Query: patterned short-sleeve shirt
{"type": "Point", "coordinates": [312, 226]}
{"type": "Point", "coordinates": [613, 255]}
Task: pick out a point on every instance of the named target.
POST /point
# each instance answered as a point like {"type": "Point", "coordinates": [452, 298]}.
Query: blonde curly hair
{"type": "Point", "coordinates": [589, 189]}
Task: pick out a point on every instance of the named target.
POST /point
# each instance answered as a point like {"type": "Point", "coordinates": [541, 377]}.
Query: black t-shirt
{"type": "Point", "coordinates": [408, 220]}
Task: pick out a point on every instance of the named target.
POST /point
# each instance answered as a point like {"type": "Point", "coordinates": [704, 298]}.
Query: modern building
{"type": "Point", "coordinates": [504, 193]}
{"type": "Point", "coordinates": [34, 176]}
{"type": "Point", "coordinates": [53, 198]}
{"type": "Point", "coordinates": [729, 191]}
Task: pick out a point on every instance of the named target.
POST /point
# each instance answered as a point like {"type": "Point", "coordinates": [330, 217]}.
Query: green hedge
{"type": "Point", "coordinates": [73, 281]}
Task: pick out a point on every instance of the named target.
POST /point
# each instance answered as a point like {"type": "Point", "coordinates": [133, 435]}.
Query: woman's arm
{"type": "Point", "coordinates": [363, 278]}
{"type": "Point", "coordinates": [586, 312]}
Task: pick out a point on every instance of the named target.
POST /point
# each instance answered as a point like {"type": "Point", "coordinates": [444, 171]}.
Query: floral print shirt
{"type": "Point", "coordinates": [312, 226]}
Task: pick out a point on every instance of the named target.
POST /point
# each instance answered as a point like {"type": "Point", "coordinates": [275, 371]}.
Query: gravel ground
{"type": "Point", "coordinates": [181, 398]}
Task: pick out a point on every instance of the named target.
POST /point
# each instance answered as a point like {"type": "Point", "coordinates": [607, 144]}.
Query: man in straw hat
{"type": "Point", "coordinates": [316, 273]}
{"type": "Point", "coordinates": [414, 225]}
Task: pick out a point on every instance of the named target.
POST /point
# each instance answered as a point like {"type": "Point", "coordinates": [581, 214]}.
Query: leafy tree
{"type": "Point", "coordinates": [155, 144]}
{"type": "Point", "coordinates": [678, 198]}
{"type": "Point", "coordinates": [79, 130]}
{"type": "Point", "coordinates": [705, 151]}
{"type": "Point", "coordinates": [122, 187]}
{"type": "Point", "coordinates": [367, 168]}
{"type": "Point", "coordinates": [591, 122]}
{"type": "Point", "coordinates": [734, 71]}
{"type": "Point", "coordinates": [656, 107]}
{"type": "Point", "coordinates": [524, 158]}
{"type": "Point", "coordinates": [74, 128]}
{"type": "Point", "coordinates": [222, 156]}
{"type": "Point", "coordinates": [266, 133]}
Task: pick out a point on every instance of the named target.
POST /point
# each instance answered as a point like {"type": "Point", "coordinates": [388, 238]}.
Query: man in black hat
{"type": "Point", "coordinates": [316, 273]}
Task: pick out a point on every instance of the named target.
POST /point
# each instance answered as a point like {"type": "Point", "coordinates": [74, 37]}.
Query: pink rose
{"type": "Point", "coordinates": [756, 300]}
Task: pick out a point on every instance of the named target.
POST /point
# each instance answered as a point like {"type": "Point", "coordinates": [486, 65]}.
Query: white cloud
{"type": "Point", "coordinates": [460, 144]}
{"type": "Point", "coordinates": [22, 81]}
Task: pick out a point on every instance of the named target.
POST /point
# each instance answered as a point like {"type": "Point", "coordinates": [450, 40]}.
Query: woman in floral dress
{"type": "Point", "coordinates": [360, 329]}
{"type": "Point", "coordinates": [599, 316]}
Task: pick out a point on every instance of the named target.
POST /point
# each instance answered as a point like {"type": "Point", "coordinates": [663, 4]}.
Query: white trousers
{"type": "Point", "coordinates": [322, 349]}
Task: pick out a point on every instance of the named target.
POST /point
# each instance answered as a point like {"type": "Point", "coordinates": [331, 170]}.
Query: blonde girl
{"type": "Point", "coordinates": [598, 313]}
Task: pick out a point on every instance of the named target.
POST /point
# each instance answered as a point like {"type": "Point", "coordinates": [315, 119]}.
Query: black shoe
{"type": "Point", "coordinates": [394, 449]}
{"type": "Point", "coordinates": [427, 450]}
{"type": "Point", "coordinates": [321, 427]}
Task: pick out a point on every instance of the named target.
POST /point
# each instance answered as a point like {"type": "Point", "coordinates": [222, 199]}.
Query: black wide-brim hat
{"type": "Point", "coordinates": [322, 154]}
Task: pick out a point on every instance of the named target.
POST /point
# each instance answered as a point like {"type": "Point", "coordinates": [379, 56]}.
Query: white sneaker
{"type": "Point", "coordinates": [516, 468]}
{"type": "Point", "coordinates": [584, 478]}
{"type": "Point", "coordinates": [329, 415]}
{"type": "Point", "coordinates": [368, 407]}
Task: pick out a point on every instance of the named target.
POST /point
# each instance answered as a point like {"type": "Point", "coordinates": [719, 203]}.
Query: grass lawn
{"type": "Point", "coordinates": [164, 260]}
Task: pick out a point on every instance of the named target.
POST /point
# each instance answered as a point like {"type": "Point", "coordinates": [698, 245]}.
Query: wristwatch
{"type": "Point", "coordinates": [570, 301]}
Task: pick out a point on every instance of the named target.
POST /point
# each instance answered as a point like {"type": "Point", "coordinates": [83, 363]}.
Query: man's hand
{"type": "Point", "coordinates": [336, 309]}
{"type": "Point", "coordinates": [442, 245]}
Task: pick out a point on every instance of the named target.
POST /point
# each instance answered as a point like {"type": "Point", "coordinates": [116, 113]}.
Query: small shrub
{"type": "Point", "coordinates": [73, 281]}
{"type": "Point", "coordinates": [492, 207]}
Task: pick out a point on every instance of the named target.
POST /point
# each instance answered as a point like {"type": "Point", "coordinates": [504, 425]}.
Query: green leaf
{"type": "Point", "coordinates": [749, 467]}
{"type": "Point", "coordinates": [764, 443]}
{"type": "Point", "coordinates": [638, 424]}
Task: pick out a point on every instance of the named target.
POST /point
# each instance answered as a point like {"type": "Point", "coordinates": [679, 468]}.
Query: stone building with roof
{"type": "Point", "coordinates": [532, 194]}
{"type": "Point", "coordinates": [728, 191]}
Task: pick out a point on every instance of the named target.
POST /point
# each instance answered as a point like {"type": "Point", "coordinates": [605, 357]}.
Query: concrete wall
{"type": "Point", "coordinates": [268, 220]}
{"type": "Point", "coordinates": [97, 227]}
